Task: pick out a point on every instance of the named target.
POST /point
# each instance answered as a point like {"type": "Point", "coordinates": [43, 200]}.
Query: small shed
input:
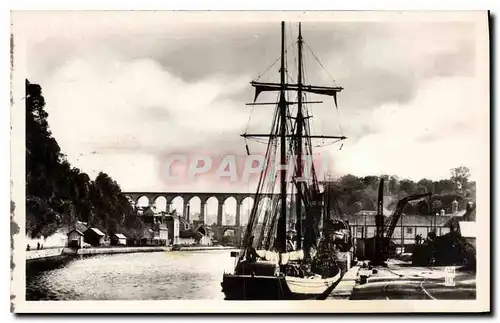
{"type": "Point", "coordinates": [75, 238]}
{"type": "Point", "coordinates": [469, 230]}
{"type": "Point", "coordinates": [94, 237]}
{"type": "Point", "coordinates": [118, 239]}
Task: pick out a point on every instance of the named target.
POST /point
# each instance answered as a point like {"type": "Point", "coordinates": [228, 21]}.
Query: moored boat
{"type": "Point", "coordinates": [289, 256]}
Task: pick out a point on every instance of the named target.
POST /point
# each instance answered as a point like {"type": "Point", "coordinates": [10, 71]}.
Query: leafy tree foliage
{"type": "Point", "coordinates": [445, 186]}
{"type": "Point", "coordinates": [425, 185]}
{"type": "Point", "coordinates": [423, 207]}
{"type": "Point", "coordinates": [353, 192]}
{"type": "Point", "coordinates": [58, 194]}
{"type": "Point", "coordinates": [436, 206]}
{"type": "Point", "coordinates": [44, 168]}
{"type": "Point", "coordinates": [460, 177]}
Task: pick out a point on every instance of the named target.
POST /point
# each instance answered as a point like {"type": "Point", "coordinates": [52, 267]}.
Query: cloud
{"type": "Point", "coordinates": [440, 129]}
{"type": "Point", "coordinates": [123, 92]}
{"type": "Point", "coordinates": [108, 108]}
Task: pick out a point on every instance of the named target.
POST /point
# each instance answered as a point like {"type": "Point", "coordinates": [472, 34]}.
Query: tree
{"type": "Point", "coordinates": [58, 194]}
{"type": "Point", "coordinates": [471, 190]}
{"type": "Point", "coordinates": [134, 226]}
{"type": "Point", "coordinates": [368, 199]}
{"type": "Point", "coordinates": [423, 207]}
{"type": "Point", "coordinates": [425, 186]}
{"type": "Point", "coordinates": [357, 206]}
{"type": "Point", "coordinates": [370, 181]}
{"type": "Point", "coordinates": [407, 187]}
{"type": "Point", "coordinates": [82, 202]}
{"type": "Point", "coordinates": [351, 183]}
{"type": "Point", "coordinates": [460, 177]}
{"type": "Point", "coordinates": [42, 167]}
{"type": "Point", "coordinates": [385, 177]}
{"type": "Point", "coordinates": [111, 207]}
{"type": "Point", "coordinates": [393, 185]}
{"type": "Point", "coordinates": [445, 186]}
{"type": "Point", "coordinates": [437, 205]}
{"type": "Point", "coordinates": [409, 208]}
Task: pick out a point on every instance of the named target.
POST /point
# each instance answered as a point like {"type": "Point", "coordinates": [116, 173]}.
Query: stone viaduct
{"type": "Point", "coordinates": [187, 196]}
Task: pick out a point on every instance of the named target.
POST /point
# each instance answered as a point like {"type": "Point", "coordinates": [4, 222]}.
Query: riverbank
{"type": "Point", "coordinates": [114, 250]}
{"type": "Point", "coordinates": [203, 248]}
{"type": "Point", "coordinates": [59, 252]}
{"type": "Point", "coordinates": [44, 253]}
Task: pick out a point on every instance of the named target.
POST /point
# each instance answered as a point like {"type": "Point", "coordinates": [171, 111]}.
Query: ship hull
{"type": "Point", "coordinates": [247, 287]}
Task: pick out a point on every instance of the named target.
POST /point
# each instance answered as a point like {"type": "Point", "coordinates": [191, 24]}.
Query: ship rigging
{"type": "Point", "coordinates": [289, 261]}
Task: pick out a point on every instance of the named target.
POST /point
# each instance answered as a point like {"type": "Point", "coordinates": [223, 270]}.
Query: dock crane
{"type": "Point", "coordinates": [399, 210]}
{"type": "Point", "coordinates": [378, 248]}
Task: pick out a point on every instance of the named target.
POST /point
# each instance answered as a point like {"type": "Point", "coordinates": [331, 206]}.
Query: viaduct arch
{"type": "Point", "coordinates": [203, 196]}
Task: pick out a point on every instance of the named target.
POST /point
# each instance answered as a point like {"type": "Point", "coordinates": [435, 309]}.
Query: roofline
{"type": "Point", "coordinates": [93, 229]}
{"type": "Point", "coordinates": [80, 232]}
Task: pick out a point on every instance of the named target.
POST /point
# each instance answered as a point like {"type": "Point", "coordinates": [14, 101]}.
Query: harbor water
{"type": "Point", "coordinates": [136, 276]}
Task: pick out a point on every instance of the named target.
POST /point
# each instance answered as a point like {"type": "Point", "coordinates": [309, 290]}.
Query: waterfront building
{"type": "Point", "coordinates": [203, 235]}
{"type": "Point", "coordinates": [408, 228]}
{"type": "Point", "coordinates": [75, 238]}
{"type": "Point", "coordinates": [94, 237]}
{"type": "Point", "coordinates": [465, 223]}
{"type": "Point", "coordinates": [163, 233]}
{"type": "Point", "coordinates": [118, 239]}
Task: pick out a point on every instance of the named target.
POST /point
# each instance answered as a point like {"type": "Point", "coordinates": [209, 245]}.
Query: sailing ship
{"type": "Point", "coordinates": [293, 252]}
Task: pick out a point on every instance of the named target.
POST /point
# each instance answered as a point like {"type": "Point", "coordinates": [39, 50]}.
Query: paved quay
{"type": "Point", "coordinates": [400, 280]}
{"type": "Point", "coordinates": [44, 253]}
{"type": "Point", "coordinates": [345, 287]}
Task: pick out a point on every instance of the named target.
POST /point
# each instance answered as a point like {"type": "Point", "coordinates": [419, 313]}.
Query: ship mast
{"type": "Point", "coordinates": [300, 88]}
{"type": "Point", "coordinates": [298, 200]}
{"type": "Point", "coordinates": [281, 231]}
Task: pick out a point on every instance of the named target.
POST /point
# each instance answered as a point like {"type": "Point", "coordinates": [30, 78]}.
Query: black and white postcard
{"type": "Point", "coordinates": [250, 161]}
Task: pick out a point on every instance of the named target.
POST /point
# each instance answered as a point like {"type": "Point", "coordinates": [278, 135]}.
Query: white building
{"type": "Point", "coordinates": [119, 239]}
{"type": "Point", "coordinates": [75, 238]}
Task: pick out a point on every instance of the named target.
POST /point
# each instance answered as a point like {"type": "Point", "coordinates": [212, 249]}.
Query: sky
{"type": "Point", "coordinates": [125, 91]}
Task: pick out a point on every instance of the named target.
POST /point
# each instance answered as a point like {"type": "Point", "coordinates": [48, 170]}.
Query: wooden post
{"type": "Point", "coordinates": [402, 235]}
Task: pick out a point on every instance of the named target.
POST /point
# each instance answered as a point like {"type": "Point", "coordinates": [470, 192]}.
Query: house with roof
{"type": "Point", "coordinates": [203, 235]}
{"type": "Point", "coordinates": [407, 229]}
{"type": "Point", "coordinates": [464, 222]}
{"type": "Point", "coordinates": [469, 231]}
{"type": "Point", "coordinates": [75, 238]}
{"type": "Point", "coordinates": [79, 225]}
{"type": "Point", "coordinates": [118, 239]}
{"type": "Point", "coordinates": [94, 237]}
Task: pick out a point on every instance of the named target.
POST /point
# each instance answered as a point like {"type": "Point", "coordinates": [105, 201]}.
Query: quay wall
{"type": "Point", "coordinates": [58, 252]}
{"type": "Point", "coordinates": [37, 265]}
{"type": "Point", "coordinates": [202, 248]}
{"type": "Point", "coordinates": [113, 250]}
{"type": "Point", "coordinates": [44, 253]}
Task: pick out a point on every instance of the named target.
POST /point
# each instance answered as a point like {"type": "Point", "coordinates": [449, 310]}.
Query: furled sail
{"type": "Point", "coordinates": [322, 90]}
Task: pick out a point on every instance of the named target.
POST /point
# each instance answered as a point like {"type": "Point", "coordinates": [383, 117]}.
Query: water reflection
{"type": "Point", "coordinates": [139, 276]}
